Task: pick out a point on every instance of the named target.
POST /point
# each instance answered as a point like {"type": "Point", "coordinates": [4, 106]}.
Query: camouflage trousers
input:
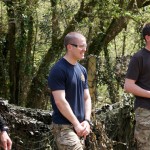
{"type": "Point", "coordinates": [66, 138]}
{"type": "Point", "coordinates": [142, 128]}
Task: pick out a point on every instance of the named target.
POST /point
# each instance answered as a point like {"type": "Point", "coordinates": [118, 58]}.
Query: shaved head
{"type": "Point", "coordinates": [72, 37]}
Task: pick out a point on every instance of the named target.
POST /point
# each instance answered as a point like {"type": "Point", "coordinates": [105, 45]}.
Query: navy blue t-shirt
{"type": "Point", "coordinates": [72, 79]}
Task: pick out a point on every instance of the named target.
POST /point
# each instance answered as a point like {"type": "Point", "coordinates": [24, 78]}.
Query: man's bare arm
{"type": "Point", "coordinates": [66, 111]}
{"type": "Point", "coordinates": [88, 107]}
{"type": "Point", "coordinates": [131, 87]}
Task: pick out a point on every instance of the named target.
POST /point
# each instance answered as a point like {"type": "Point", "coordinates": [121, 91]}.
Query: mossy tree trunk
{"type": "Point", "coordinates": [10, 47]}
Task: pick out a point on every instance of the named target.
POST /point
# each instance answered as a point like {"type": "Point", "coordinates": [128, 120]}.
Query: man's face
{"type": "Point", "coordinates": [147, 38]}
{"type": "Point", "coordinates": [78, 48]}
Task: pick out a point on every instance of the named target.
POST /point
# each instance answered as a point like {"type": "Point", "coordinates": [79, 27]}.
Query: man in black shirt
{"type": "Point", "coordinates": [5, 141]}
{"type": "Point", "coordinates": [137, 82]}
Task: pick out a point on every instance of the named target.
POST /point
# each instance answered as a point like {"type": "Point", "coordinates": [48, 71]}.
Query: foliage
{"type": "Point", "coordinates": [31, 41]}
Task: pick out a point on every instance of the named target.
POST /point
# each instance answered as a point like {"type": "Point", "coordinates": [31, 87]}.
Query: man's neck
{"type": "Point", "coordinates": [147, 47]}
{"type": "Point", "coordinates": [70, 60]}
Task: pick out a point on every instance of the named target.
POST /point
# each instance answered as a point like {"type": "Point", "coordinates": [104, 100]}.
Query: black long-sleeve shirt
{"type": "Point", "coordinates": [2, 123]}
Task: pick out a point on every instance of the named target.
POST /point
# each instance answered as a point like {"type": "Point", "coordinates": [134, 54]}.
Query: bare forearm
{"type": "Point", "coordinates": [64, 107]}
{"type": "Point", "coordinates": [136, 90]}
{"type": "Point", "coordinates": [67, 112]}
{"type": "Point", "coordinates": [88, 109]}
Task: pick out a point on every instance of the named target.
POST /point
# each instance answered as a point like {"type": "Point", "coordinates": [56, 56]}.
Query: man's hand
{"type": "Point", "coordinates": [80, 129]}
{"type": "Point", "coordinates": [5, 141]}
{"type": "Point", "coordinates": [87, 129]}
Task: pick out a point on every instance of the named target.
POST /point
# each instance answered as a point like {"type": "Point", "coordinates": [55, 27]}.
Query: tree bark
{"type": "Point", "coordinates": [10, 40]}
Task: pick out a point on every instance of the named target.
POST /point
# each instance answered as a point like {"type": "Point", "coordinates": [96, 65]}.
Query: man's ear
{"type": "Point", "coordinates": [69, 47]}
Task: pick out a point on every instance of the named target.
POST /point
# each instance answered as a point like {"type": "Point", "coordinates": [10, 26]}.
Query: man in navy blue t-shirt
{"type": "Point", "coordinates": [70, 98]}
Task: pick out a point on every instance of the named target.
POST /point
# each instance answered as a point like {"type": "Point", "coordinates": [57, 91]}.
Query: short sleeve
{"type": "Point", "coordinates": [56, 79]}
{"type": "Point", "coordinates": [133, 68]}
{"type": "Point", "coordinates": [85, 76]}
{"type": "Point", "coordinates": [86, 80]}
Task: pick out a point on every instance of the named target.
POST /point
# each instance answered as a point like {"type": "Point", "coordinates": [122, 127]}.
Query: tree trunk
{"type": "Point", "coordinates": [27, 65]}
{"type": "Point", "coordinates": [109, 79]}
{"type": "Point", "coordinates": [92, 77]}
{"type": "Point", "coordinates": [10, 40]}
{"type": "Point", "coordinates": [37, 96]}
